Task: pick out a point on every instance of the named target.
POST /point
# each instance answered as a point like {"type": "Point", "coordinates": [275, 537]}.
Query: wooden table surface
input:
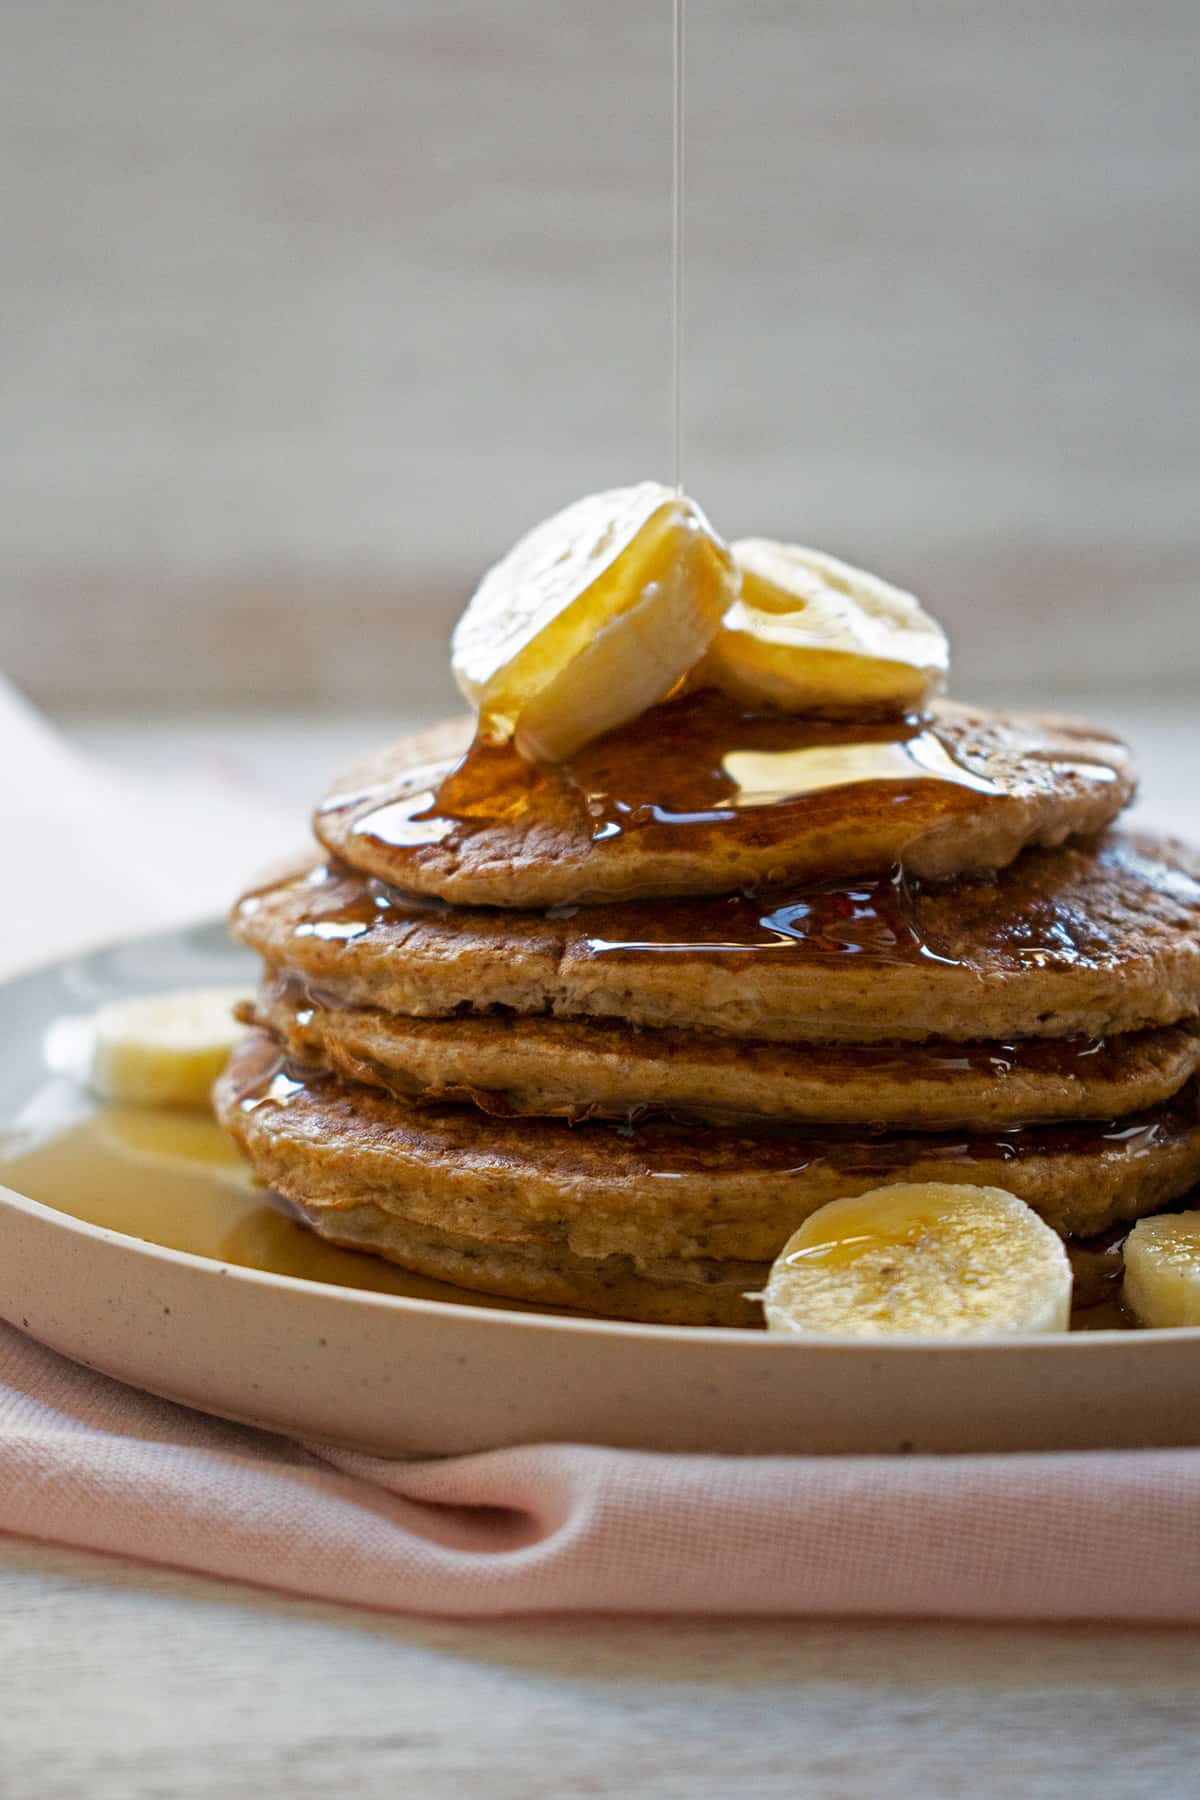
{"type": "Point", "coordinates": [123, 1683]}
{"type": "Point", "coordinates": [120, 1682]}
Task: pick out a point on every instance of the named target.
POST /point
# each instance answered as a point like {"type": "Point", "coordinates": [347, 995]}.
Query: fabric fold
{"type": "Point", "coordinates": [572, 1528]}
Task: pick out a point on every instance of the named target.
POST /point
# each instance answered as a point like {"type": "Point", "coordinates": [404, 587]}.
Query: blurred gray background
{"type": "Point", "coordinates": [311, 307]}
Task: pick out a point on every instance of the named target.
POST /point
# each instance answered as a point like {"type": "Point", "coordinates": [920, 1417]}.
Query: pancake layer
{"type": "Point", "coordinates": [701, 797]}
{"type": "Point", "coordinates": [579, 1069]}
{"type": "Point", "coordinates": [1089, 940]}
{"type": "Point", "coordinates": [659, 1194]}
{"type": "Point", "coordinates": [602, 1035]}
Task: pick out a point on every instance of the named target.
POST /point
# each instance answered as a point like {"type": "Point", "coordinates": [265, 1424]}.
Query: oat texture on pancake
{"type": "Point", "coordinates": [715, 912]}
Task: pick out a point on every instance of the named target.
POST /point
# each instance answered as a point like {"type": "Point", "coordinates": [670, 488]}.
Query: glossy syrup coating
{"type": "Point", "coordinates": [700, 796]}
{"type": "Point", "coordinates": [1086, 941]}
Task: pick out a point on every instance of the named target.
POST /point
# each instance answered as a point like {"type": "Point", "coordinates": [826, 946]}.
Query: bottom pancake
{"type": "Point", "coordinates": [669, 1292]}
{"type": "Point", "coordinates": [539, 1209]}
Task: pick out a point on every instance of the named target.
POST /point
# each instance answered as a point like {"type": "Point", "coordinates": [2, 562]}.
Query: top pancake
{"type": "Point", "coordinates": [1085, 940]}
{"type": "Point", "coordinates": [701, 797]}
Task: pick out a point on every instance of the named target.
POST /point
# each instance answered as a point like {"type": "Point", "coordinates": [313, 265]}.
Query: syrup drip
{"type": "Point", "coordinates": [352, 919]}
{"type": "Point", "coordinates": [1098, 1266]}
{"type": "Point", "coordinates": [692, 770]}
{"type": "Point", "coordinates": [285, 1081]}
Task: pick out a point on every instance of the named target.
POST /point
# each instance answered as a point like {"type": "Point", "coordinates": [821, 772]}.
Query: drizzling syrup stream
{"type": "Point", "coordinates": [678, 192]}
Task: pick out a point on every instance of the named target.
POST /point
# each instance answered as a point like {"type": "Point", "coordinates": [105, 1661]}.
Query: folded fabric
{"type": "Point", "coordinates": [562, 1527]}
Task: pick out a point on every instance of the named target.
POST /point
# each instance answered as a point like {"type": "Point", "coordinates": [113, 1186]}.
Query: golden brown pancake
{"type": "Point", "coordinates": [1085, 941]}
{"type": "Point", "coordinates": [579, 1069]}
{"type": "Point", "coordinates": [669, 1291]}
{"type": "Point", "coordinates": [659, 1194]}
{"type": "Point", "coordinates": [701, 797]}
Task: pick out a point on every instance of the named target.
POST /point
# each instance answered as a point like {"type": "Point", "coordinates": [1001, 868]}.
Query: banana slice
{"type": "Point", "coordinates": [592, 618]}
{"type": "Point", "coordinates": [1162, 1270]}
{"type": "Point", "coordinates": [164, 1049]}
{"type": "Point", "coordinates": [811, 634]}
{"type": "Point", "coordinates": [925, 1259]}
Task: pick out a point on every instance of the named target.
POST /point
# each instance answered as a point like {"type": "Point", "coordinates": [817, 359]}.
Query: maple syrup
{"type": "Point", "coordinates": [874, 920]}
{"type": "Point", "coordinates": [877, 920]}
{"type": "Point", "coordinates": [175, 1178]}
{"type": "Point", "coordinates": [687, 773]}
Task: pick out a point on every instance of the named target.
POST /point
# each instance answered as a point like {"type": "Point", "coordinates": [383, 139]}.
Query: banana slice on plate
{"type": "Point", "coordinates": [592, 618]}
{"type": "Point", "coordinates": [811, 634]}
{"type": "Point", "coordinates": [924, 1259]}
{"type": "Point", "coordinates": [164, 1049]}
{"type": "Point", "coordinates": [1162, 1270]}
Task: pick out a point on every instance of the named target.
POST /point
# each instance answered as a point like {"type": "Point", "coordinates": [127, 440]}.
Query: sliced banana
{"type": "Point", "coordinates": [812, 634]}
{"type": "Point", "coordinates": [1162, 1269]}
{"type": "Point", "coordinates": [592, 618]}
{"type": "Point", "coordinates": [926, 1259]}
{"type": "Point", "coordinates": [164, 1049]}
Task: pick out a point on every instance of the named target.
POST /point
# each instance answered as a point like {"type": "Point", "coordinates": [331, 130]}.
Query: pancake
{"type": "Point", "coordinates": [670, 1291]}
{"type": "Point", "coordinates": [579, 1069]}
{"type": "Point", "coordinates": [701, 797]}
{"type": "Point", "coordinates": [1087, 941]}
{"type": "Point", "coordinates": [660, 1193]}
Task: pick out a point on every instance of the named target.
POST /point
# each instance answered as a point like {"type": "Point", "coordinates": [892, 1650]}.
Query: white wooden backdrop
{"type": "Point", "coordinates": [309, 306]}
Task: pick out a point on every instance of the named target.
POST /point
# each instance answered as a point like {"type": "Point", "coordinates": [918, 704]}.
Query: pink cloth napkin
{"type": "Point", "coordinates": [87, 1462]}
{"type": "Point", "coordinates": [564, 1527]}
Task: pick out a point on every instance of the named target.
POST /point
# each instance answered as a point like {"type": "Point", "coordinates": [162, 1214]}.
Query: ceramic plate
{"type": "Point", "coordinates": [426, 1372]}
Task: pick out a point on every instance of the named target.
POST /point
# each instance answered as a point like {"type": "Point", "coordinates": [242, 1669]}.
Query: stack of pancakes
{"type": "Point", "coordinates": [601, 1035]}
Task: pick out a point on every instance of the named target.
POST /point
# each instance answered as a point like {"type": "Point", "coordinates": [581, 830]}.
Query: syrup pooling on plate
{"type": "Point", "coordinates": [699, 765]}
{"type": "Point", "coordinates": [175, 1178]}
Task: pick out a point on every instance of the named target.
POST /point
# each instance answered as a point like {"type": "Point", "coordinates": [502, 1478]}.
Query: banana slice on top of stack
{"type": "Point", "coordinates": [603, 610]}
{"type": "Point", "coordinates": [592, 618]}
{"type": "Point", "coordinates": [811, 634]}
